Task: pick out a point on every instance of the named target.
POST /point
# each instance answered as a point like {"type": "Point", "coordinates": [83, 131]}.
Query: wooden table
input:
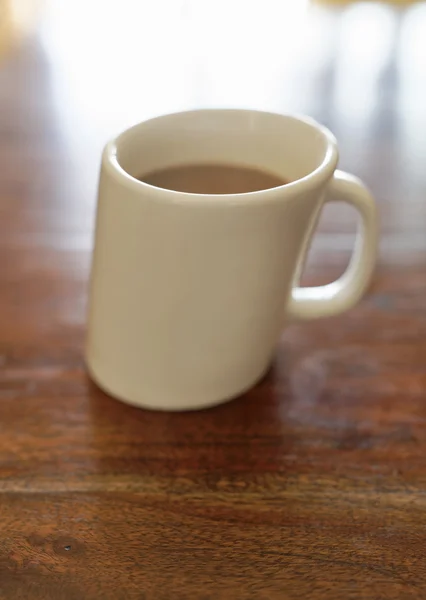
{"type": "Point", "coordinates": [313, 485]}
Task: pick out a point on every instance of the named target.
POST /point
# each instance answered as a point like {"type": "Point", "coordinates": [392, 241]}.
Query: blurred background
{"type": "Point", "coordinates": [74, 72]}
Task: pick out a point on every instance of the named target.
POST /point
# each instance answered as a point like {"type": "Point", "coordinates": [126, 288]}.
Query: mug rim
{"type": "Point", "coordinates": [308, 182]}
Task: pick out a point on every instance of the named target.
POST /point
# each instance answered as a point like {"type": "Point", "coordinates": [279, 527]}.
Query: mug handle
{"type": "Point", "coordinates": [345, 292]}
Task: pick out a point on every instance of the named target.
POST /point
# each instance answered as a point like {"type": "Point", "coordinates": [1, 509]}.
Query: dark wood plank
{"type": "Point", "coordinates": [311, 485]}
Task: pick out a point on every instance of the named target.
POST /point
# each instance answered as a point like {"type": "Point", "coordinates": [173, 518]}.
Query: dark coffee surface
{"type": "Point", "coordinates": [212, 179]}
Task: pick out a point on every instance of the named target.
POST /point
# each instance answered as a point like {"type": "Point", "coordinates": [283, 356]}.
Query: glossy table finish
{"type": "Point", "coordinates": [313, 484]}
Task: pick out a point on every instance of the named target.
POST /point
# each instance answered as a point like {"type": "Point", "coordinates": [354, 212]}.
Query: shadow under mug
{"type": "Point", "coordinates": [190, 292]}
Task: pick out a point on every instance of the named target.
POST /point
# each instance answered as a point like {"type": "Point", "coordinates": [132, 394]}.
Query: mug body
{"type": "Point", "coordinates": [189, 291]}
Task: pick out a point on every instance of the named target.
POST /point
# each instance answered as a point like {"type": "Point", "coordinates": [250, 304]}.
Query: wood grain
{"type": "Point", "coordinates": [312, 485]}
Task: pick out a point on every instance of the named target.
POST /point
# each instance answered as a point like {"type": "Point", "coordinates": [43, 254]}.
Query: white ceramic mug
{"type": "Point", "coordinates": [190, 292]}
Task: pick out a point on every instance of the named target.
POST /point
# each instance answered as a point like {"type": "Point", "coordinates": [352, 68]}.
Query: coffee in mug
{"type": "Point", "coordinates": [212, 179]}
